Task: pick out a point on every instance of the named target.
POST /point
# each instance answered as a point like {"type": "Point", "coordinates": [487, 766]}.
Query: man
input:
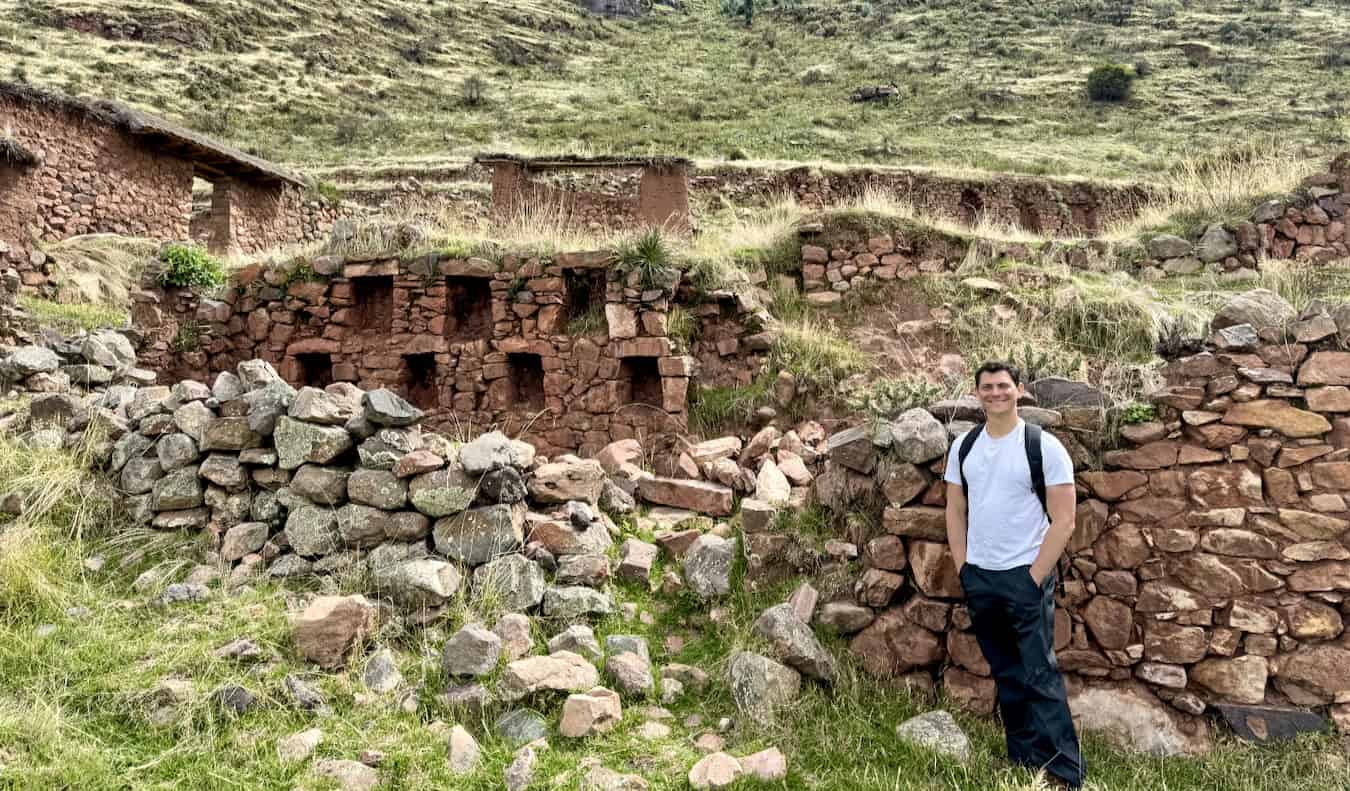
{"type": "Point", "coordinates": [1006, 551]}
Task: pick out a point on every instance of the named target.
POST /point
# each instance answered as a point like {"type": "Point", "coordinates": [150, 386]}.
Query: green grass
{"type": "Point", "coordinates": [995, 86]}
{"type": "Point", "coordinates": [76, 316]}
{"type": "Point", "coordinates": [75, 703]}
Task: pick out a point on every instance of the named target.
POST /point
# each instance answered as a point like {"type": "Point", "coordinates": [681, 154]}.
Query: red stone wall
{"type": "Point", "coordinates": [586, 397]}
{"type": "Point", "coordinates": [90, 178]}
{"type": "Point", "coordinates": [1211, 560]}
{"type": "Point", "coordinates": [660, 197]}
{"type": "Point", "coordinates": [252, 216]}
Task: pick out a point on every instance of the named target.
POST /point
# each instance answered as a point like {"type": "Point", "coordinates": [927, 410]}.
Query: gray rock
{"type": "Point", "coordinates": [299, 442]}
{"type": "Point", "coordinates": [464, 754]}
{"type": "Point", "coordinates": [1216, 245]}
{"type": "Point", "coordinates": [760, 686]}
{"type": "Point", "coordinates": [489, 451]}
{"type": "Point", "coordinates": [573, 602]}
{"type": "Point", "coordinates": [615, 500]}
{"type": "Point", "coordinates": [471, 699]}
{"type": "Point", "coordinates": [312, 530]}
{"type": "Point", "coordinates": [189, 519]}
{"type": "Point", "coordinates": [512, 582]}
{"type": "Point", "coordinates": [442, 492]}
{"type": "Point", "coordinates": [1263, 309]}
{"type": "Point", "coordinates": [148, 401]}
{"type": "Point", "coordinates": [521, 726]}
{"type": "Point", "coordinates": [177, 490]}
{"type": "Point", "coordinates": [361, 526]}
{"type": "Point", "coordinates": [853, 449]}
{"type": "Point", "coordinates": [937, 731]}
{"type": "Point", "coordinates": [87, 374]}
{"type": "Point", "coordinates": [377, 488]}
{"type": "Point", "coordinates": [421, 583]}
{"type": "Point", "coordinates": [480, 534]}
{"type": "Point", "coordinates": [108, 348]}
{"type": "Point", "coordinates": [234, 698]}
{"type": "Point", "coordinates": [1164, 246]}
{"type": "Point", "coordinates": [302, 695]}
{"type": "Point", "coordinates": [917, 437]}
{"type": "Point", "coordinates": [349, 775]}
{"type": "Point", "coordinates": [320, 485]}
{"type": "Point", "coordinates": [265, 507]}
{"type": "Point", "coordinates": [243, 539]}
{"type": "Point", "coordinates": [636, 558]}
{"type": "Point", "coordinates": [504, 485]}
{"type": "Point", "coordinates": [845, 617]}
{"type": "Point", "coordinates": [313, 405]}
{"type": "Point", "coordinates": [224, 471]}
{"type": "Point", "coordinates": [130, 446]}
{"type": "Point", "coordinates": [384, 408]}
{"type": "Point", "coordinates": [579, 639]}
{"type": "Point", "coordinates": [591, 570]}
{"type": "Point", "coordinates": [707, 565]}
{"type": "Point", "coordinates": [1053, 392]}
{"type": "Point", "coordinates": [28, 360]}
{"type": "Point", "coordinates": [794, 643]}
{"type": "Point", "coordinates": [1269, 211]}
{"type": "Point", "coordinates": [267, 405]}
{"type": "Point", "coordinates": [181, 592]}
{"type": "Point", "coordinates": [1237, 338]}
{"type": "Point", "coordinates": [472, 651]}
{"type": "Point", "coordinates": [227, 387]}
{"type": "Point", "coordinates": [616, 644]}
{"type": "Point", "coordinates": [54, 408]}
{"type": "Point", "coordinates": [254, 374]}
{"type": "Point", "coordinates": [383, 447]}
{"type": "Point", "coordinates": [381, 672]}
{"type": "Point", "coordinates": [189, 390]}
{"type": "Point", "coordinates": [290, 566]}
{"type": "Point", "coordinates": [175, 451]}
{"type": "Point", "coordinates": [229, 433]}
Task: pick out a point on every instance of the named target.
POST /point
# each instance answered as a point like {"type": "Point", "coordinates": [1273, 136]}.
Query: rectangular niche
{"type": "Point", "coordinates": [527, 380]}
{"type": "Point", "coordinates": [419, 380]}
{"type": "Point", "coordinates": [373, 302]}
{"type": "Point", "coordinates": [468, 308]}
{"type": "Point", "coordinates": [640, 380]}
{"type": "Point", "coordinates": [585, 294]}
{"type": "Point", "coordinates": [316, 369]}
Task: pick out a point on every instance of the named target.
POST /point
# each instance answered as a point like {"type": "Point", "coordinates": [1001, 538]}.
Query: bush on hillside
{"type": "Point", "coordinates": [189, 266]}
{"type": "Point", "coordinates": [1110, 82]}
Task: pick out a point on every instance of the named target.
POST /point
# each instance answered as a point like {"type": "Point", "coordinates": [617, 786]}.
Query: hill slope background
{"type": "Point", "coordinates": [994, 84]}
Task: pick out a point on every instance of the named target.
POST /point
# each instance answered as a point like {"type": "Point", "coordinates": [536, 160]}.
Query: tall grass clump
{"type": "Point", "coordinates": [1210, 188]}
{"type": "Point", "coordinates": [65, 507]}
{"type": "Point", "coordinates": [649, 256]}
{"type": "Point", "coordinates": [765, 240]}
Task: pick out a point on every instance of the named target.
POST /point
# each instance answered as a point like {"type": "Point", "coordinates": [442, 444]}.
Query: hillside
{"type": "Point", "coordinates": [996, 85]}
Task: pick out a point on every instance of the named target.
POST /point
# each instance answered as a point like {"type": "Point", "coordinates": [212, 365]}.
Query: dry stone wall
{"type": "Point", "coordinates": [1210, 567]}
{"type": "Point", "coordinates": [566, 348]}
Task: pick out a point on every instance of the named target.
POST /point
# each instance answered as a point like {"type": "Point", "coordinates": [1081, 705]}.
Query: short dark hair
{"type": "Point", "coordinates": [994, 366]}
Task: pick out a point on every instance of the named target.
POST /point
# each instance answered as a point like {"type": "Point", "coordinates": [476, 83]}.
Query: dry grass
{"type": "Point", "coordinates": [888, 203]}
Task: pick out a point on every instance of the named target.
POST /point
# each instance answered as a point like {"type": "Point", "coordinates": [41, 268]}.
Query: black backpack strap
{"type": "Point", "coordinates": [1036, 463]}
{"type": "Point", "coordinates": [966, 445]}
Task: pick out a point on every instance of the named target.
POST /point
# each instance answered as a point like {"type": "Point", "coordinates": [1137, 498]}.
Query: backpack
{"type": "Point", "coordinates": [1032, 439]}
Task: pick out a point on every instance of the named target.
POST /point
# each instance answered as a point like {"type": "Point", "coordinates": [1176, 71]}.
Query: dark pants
{"type": "Point", "coordinates": [1015, 625]}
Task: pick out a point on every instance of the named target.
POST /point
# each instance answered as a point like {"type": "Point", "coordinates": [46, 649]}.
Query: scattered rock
{"type": "Point", "coordinates": [718, 770]}
{"type": "Point", "coordinates": [938, 731]}
{"type": "Point", "coordinates": [331, 627]}
{"type": "Point", "coordinates": [464, 754]}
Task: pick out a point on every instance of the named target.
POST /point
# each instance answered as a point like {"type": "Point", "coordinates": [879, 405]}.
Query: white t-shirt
{"type": "Point", "coordinates": [1005, 525]}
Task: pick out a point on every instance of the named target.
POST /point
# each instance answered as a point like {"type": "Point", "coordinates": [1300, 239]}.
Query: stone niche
{"type": "Point", "coordinates": [468, 308]}
{"type": "Point", "coordinates": [314, 369]}
{"type": "Point", "coordinates": [526, 376]}
{"type": "Point", "coordinates": [373, 302]}
{"type": "Point", "coordinates": [640, 381]}
{"type": "Point", "coordinates": [419, 380]}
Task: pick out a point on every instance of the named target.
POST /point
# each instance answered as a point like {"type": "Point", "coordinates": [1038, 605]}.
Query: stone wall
{"type": "Point", "coordinates": [247, 217]}
{"type": "Point", "coordinates": [1046, 206]}
{"type": "Point", "coordinates": [1210, 567]}
{"type": "Point", "coordinates": [565, 348]}
{"type": "Point", "coordinates": [609, 197]}
{"type": "Point", "coordinates": [90, 178]}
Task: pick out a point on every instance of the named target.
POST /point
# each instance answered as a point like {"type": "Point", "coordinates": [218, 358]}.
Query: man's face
{"type": "Point", "coordinates": [997, 393]}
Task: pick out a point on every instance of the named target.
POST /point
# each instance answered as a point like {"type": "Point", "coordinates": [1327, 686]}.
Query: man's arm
{"type": "Point", "coordinates": [956, 522]}
{"type": "Point", "coordinates": [1061, 501]}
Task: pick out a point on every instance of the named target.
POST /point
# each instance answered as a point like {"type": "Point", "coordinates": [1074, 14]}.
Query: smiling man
{"type": "Point", "coordinates": [1002, 478]}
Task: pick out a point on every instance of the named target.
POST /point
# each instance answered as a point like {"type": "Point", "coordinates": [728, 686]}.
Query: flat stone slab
{"type": "Point", "coordinates": [1269, 723]}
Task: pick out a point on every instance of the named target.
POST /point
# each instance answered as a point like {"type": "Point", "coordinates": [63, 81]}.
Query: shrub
{"type": "Point", "coordinates": [473, 91]}
{"type": "Point", "coordinates": [649, 256]}
{"type": "Point", "coordinates": [884, 399]}
{"type": "Point", "coordinates": [1110, 82]}
{"type": "Point", "coordinates": [1138, 413]}
{"type": "Point", "coordinates": [189, 266]}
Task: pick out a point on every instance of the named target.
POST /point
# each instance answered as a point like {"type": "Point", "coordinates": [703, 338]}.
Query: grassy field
{"type": "Point", "coordinates": [994, 84]}
{"type": "Point", "coordinates": [81, 652]}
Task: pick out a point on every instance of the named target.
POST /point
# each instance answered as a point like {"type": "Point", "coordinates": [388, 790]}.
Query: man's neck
{"type": "Point", "coordinates": [1001, 425]}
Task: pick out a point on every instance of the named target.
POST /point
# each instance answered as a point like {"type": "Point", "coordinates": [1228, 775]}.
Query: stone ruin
{"type": "Point", "coordinates": [662, 200]}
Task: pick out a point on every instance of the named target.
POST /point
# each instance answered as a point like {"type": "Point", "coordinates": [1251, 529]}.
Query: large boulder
{"type": "Point", "coordinates": [563, 671]}
{"type": "Point", "coordinates": [1263, 309]}
{"type": "Point", "coordinates": [480, 534]}
{"type": "Point", "coordinates": [512, 582]}
{"type": "Point", "coordinates": [331, 628]}
{"type": "Point", "coordinates": [917, 437]}
{"type": "Point", "coordinates": [25, 361]}
{"type": "Point", "coordinates": [384, 408]}
{"type": "Point", "coordinates": [494, 449]}
{"type": "Point", "coordinates": [109, 349]}
{"type": "Point", "coordinates": [298, 442]}
{"type": "Point", "coordinates": [567, 479]}
{"type": "Point", "coordinates": [794, 643]}
{"type": "Point", "coordinates": [707, 565]}
{"type": "Point", "coordinates": [378, 489]}
{"type": "Point", "coordinates": [313, 405]}
{"type": "Point", "coordinates": [761, 686]}
{"type": "Point", "coordinates": [1216, 244]}
{"type": "Point", "coordinates": [1134, 719]}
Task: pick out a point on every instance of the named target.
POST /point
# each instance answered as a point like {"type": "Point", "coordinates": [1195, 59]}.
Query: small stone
{"type": "Point", "coordinates": [718, 770]}
{"type": "Point", "coordinates": [938, 731]}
